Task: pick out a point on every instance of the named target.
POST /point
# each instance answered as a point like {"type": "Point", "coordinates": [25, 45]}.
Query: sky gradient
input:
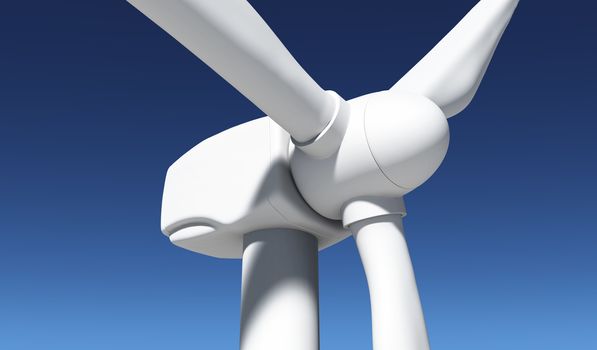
{"type": "Point", "coordinates": [96, 102]}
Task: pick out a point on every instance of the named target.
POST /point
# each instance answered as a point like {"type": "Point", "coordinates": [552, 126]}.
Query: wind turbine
{"type": "Point", "coordinates": [277, 189]}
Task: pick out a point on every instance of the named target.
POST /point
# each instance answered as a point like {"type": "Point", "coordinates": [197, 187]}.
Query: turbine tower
{"type": "Point", "coordinates": [275, 190]}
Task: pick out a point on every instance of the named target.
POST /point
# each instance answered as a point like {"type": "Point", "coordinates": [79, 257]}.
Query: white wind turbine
{"type": "Point", "coordinates": [275, 191]}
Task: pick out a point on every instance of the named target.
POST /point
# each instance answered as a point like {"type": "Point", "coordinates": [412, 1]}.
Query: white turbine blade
{"type": "Point", "coordinates": [451, 72]}
{"type": "Point", "coordinates": [397, 320]}
{"type": "Point", "coordinates": [231, 38]}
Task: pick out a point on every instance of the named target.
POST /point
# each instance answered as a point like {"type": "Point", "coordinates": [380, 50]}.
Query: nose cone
{"type": "Point", "coordinates": [408, 136]}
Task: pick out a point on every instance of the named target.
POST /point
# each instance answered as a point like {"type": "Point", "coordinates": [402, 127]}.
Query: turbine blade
{"type": "Point", "coordinates": [451, 72]}
{"type": "Point", "coordinates": [232, 39]}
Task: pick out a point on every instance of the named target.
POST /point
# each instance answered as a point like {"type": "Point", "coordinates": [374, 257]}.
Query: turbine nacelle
{"type": "Point", "coordinates": [234, 183]}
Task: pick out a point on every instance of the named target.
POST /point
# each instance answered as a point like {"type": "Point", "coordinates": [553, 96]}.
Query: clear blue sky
{"type": "Point", "coordinates": [96, 102]}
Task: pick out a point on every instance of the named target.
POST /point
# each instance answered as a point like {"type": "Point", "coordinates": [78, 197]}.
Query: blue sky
{"type": "Point", "coordinates": [96, 102]}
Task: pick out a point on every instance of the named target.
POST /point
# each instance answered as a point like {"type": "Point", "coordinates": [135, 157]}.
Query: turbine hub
{"type": "Point", "coordinates": [408, 136]}
{"type": "Point", "coordinates": [393, 143]}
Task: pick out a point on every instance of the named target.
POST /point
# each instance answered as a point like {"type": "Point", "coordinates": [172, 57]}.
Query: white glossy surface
{"type": "Point", "coordinates": [280, 296]}
{"type": "Point", "coordinates": [396, 313]}
{"type": "Point", "coordinates": [407, 135]}
{"type": "Point", "coordinates": [368, 207]}
{"type": "Point", "coordinates": [327, 184]}
{"type": "Point", "coordinates": [233, 183]}
{"type": "Point", "coordinates": [393, 143]}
